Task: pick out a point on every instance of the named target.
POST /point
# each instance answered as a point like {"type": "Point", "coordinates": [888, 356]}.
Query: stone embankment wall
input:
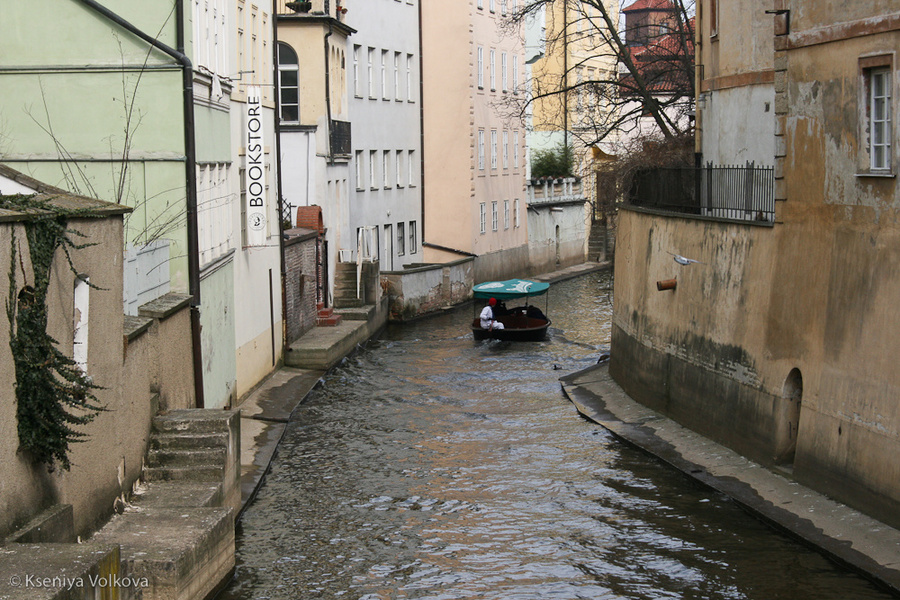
{"type": "Point", "coordinates": [425, 289]}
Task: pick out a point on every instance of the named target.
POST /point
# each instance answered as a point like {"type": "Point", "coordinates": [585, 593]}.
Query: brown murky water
{"type": "Point", "coordinates": [431, 466]}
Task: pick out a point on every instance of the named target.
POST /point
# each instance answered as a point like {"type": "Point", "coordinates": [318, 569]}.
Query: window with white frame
{"type": "Point", "coordinates": [879, 118]}
{"type": "Point", "coordinates": [505, 149]}
{"type": "Point", "coordinates": [481, 149]}
{"type": "Point", "coordinates": [288, 83]}
{"type": "Point", "coordinates": [516, 212]}
{"type": "Point", "coordinates": [493, 67]}
{"type": "Point", "coordinates": [396, 76]}
{"type": "Point", "coordinates": [214, 202]}
{"type": "Point", "coordinates": [483, 214]}
{"type": "Point", "coordinates": [411, 168]}
{"type": "Point", "coordinates": [480, 3]}
{"type": "Point", "coordinates": [493, 5]}
{"type": "Point", "coordinates": [493, 148]}
{"type": "Point", "coordinates": [370, 72]}
{"type": "Point", "coordinates": [516, 149]}
{"type": "Point", "coordinates": [413, 242]}
{"type": "Point", "coordinates": [515, 73]}
{"type": "Point", "coordinates": [386, 168]}
{"type": "Point", "coordinates": [409, 78]}
{"type": "Point", "coordinates": [360, 170]}
{"type": "Point", "coordinates": [480, 67]}
{"type": "Point", "coordinates": [398, 164]}
{"type": "Point", "coordinates": [495, 217]}
{"type": "Point", "coordinates": [506, 214]}
{"type": "Point", "coordinates": [384, 86]}
{"type": "Point", "coordinates": [502, 7]}
{"type": "Point", "coordinates": [504, 76]}
{"type": "Point", "coordinates": [356, 84]}
{"type": "Point", "coordinates": [373, 157]}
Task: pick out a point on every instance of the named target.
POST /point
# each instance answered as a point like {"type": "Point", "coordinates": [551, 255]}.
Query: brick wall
{"type": "Point", "coordinates": [300, 281]}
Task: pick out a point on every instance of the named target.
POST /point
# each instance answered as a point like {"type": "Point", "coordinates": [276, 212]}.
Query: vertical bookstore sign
{"type": "Point", "coordinates": [255, 169]}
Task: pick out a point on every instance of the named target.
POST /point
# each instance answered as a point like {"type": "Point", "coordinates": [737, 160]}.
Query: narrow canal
{"type": "Point", "coordinates": [432, 466]}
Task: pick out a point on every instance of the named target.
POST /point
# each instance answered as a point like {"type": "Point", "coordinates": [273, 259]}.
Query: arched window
{"type": "Point", "coordinates": [288, 83]}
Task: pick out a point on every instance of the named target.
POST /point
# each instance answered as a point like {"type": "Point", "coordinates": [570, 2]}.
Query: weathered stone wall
{"type": "Point", "coordinates": [422, 290]}
{"type": "Point", "coordinates": [300, 281]}
{"type": "Point", "coordinates": [108, 462]}
{"type": "Point", "coordinates": [557, 235]}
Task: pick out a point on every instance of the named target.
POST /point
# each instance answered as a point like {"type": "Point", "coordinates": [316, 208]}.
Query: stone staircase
{"type": "Point", "coordinates": [345, 287]}
{"type": "Point", "coordinates": [597, 242]}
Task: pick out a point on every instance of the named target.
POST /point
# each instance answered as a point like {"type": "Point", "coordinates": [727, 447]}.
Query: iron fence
{"type": "Point", "coordinates": [727, 192]}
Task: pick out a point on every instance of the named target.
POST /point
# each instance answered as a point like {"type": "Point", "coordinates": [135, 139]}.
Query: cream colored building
{"type": "Point", "coordinates": [474, 156]}
{"type": "Point", "coordinates": [567, 109]}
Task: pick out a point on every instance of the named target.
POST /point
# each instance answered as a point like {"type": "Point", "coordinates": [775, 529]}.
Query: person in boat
{"type": "Point", "coordinates": [487, 316]}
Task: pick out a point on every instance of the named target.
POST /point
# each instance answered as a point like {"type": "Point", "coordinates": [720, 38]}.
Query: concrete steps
{"type": "Point", "coordinates": [325, 317]}
{"type": "Point", "coordinates": [597, 242]}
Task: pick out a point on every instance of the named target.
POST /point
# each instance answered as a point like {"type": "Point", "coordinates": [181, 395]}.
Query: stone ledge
{"type": "Point", "coordinates": [62, 572]}
{"type": "Point", "coordinates": [165, 306]}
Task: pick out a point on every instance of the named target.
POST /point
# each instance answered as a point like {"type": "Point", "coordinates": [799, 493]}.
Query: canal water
{"type": "Point", "coordinates": [433, 466]}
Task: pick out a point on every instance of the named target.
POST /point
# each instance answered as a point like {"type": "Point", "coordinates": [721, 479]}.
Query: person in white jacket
{"type": "Point", "coordinates": [487, 316]}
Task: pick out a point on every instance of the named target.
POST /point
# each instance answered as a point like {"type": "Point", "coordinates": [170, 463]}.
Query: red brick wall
{"type": "Point", "coordinates": [300, 281]}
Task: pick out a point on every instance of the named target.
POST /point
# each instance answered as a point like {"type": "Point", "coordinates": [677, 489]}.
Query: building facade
{"type": "Point", "coordinates": [779, 341]}
{"type": "Point", "coordinates": [474, 153]}
{"type": "Point", "coordinates": [385, 109]}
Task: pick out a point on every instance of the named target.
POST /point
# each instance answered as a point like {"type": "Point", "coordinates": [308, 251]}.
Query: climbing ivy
{"type": "Point", "coordinates": [53, 395]}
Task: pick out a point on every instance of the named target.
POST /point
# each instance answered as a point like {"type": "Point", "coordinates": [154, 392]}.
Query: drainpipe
{"type": "Point", "coordinates": [193, 245]}
{"type": "Point", "coordinates": [421, 134]}
{"type": "Point", "coordinates": [277, 81]}
{"type": "Point", "coordinates": [328, 93]}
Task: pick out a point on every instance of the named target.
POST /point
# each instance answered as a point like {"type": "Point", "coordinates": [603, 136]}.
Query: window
{"type": "Point", "coordinates": [504, 77]}
{"type": "Point", "coordinates": [483, 211]}
{"type": "Point", "coordinates": [372, 179]}
{"type": "Point", "coordinates": [880, 119]}
{"type": "Point", "coordinates": [506, 214]}
{"type": "Point", "coordinates": [493, 5]}
{"type": "Point", "coordinates": [494, 216]}
{"type": "Point", "coordinates": [288, 83]}
{"type": "Point", "coordinates": [480, 68]}
{"type": "Point", "coordinates": [515, 73]}
{"type": "Point", "coordinates": [505, 149]}
{"type": "Point", "coordinates": [370, 72]}
{"type": "Point", "coordinates": [356, 88]}
{"type": "Point", "coordinates": [396, 76]}
{"type": "Point", "coordinates": [480, 3]}
{"type": "Point", "coordinates": [876, 133]}
{"type": "Point", "coordinates": [493, 148]}
{"type": "Point", "coordinates": [413, 248]}
{"type": "Point", "coordinates": [516, 212]}
{"type": "Point", "coordinates": [409, 79]}
{"type": "Point", "coordinates": [481, 149]}
{"type": "Point", "coordinates": [398, 163]}
{"type": "Point", "coordinates": [360, 170]}
{"type": "Point", "coordinates": [384, 88]}
{"type": "Point", "coordinates": [80, 320]}
{"type": "Point", "coordinates": [493, 66]}
{"type": "Point", "coordinates": [502, 7]}
{"type": "Point", "coordinates": [411, 168]}
{"type": "Point", "coordinates": [713, 18]}
{"type": "Point", "coordinates": [386, 168]}
{"type": "Point", "coordinates": [516, 149]}
{"type": "Point", "coordinates": [401, 238]}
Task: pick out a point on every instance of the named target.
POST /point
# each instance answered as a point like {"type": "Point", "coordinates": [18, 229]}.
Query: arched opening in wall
{"type": "Point", "coordinates": [789, 419]}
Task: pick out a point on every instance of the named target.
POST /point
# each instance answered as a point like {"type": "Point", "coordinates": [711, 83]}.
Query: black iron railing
{"type": "Point", "coordinates": [726, 192]}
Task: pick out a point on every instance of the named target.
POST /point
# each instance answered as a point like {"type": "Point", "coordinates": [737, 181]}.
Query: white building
{"type": "Point", "coordinates": [383, 79]}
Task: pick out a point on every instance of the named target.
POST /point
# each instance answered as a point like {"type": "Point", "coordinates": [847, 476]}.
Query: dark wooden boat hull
{"type": "Point", "coordinates": [515, 329]}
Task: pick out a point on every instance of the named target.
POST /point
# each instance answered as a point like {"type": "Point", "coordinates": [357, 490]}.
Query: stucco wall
{"type": "Point", "coordinates": [110, 460]}
{"type": "Point", "coordinates": [550, 249]}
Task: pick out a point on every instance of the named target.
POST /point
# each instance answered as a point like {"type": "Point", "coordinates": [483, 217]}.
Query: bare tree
{"type": "Point", "coordinates": [604, 81]}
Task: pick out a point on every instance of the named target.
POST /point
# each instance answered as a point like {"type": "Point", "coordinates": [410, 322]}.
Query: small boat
{"type": "Point", "coordinates": [525, 323]}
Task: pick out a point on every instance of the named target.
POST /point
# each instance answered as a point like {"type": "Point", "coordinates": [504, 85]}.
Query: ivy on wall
{"type": "Point", "coordinates": [53, 395]}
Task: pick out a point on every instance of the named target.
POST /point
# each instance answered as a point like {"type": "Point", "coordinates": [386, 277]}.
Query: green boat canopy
{"type": "Point", "coordinates": [510, 290]}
